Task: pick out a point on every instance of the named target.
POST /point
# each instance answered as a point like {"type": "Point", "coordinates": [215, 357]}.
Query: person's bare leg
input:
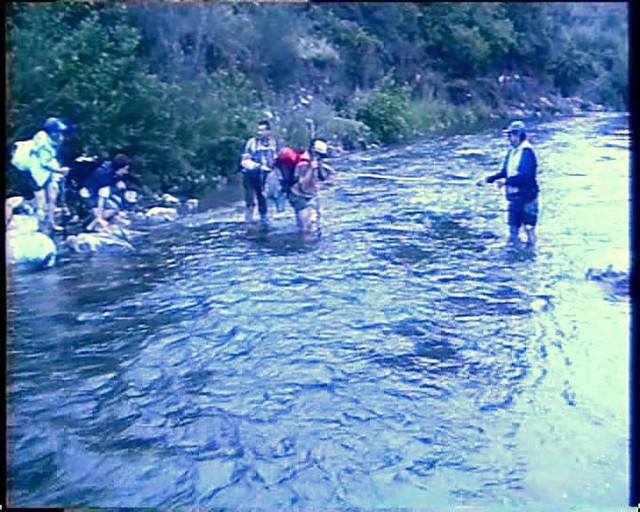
{"type": "Point", "coordinates": [52, 196]}
{"type": "Point", "coordinates": [531, 235]}
{"type": "Point", "coordinates": [305, 220]}
{"type": "Point", "coordinates": [41, 203]}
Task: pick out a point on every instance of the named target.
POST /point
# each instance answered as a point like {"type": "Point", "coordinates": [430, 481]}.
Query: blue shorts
{"type": "Point", "coordinates": [523, 213]}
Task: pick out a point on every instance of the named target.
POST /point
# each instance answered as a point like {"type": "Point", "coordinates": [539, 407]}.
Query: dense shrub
{"type": "Point", "coordinates": [181, 87]}
{"type": "Point", "coordinates": [386, 112]}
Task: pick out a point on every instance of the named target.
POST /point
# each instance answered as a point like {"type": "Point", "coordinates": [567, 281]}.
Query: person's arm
{"type": "Point", "coordinates": [499, 175]}
{"type": "Point", "coordinates": [275, 148]}
{"type": "Point", "coordinates": [325, 171]}
{"type": "Point", "coordinates": [302, 173]}
{"type": "Point", "coordinates": [248, 161]}
{"type": "Point", "coordinates": [526, 170]}
{"type": "Point", "coordinates": [45, 152]}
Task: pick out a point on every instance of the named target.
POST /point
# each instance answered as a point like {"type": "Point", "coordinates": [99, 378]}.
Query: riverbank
{"type": "Point", "coordinates": [533, 108]}
{"type": "Point", "coordinates": [520, 99]}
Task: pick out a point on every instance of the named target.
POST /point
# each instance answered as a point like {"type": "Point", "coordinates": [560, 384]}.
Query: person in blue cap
{"type": "Point", "coordinates": [521, 186]}
{"type": "Point", "coordinates": [45, 168]}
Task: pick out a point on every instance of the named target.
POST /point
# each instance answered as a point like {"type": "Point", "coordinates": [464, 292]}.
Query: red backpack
{"type": "Point", "coordinates": [287, 160]}
{"type": "Point", "coordinates": [289, 157]}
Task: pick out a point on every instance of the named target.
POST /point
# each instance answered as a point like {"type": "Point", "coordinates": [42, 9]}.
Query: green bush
{"type": "Point", "coordinates": [386, 112]}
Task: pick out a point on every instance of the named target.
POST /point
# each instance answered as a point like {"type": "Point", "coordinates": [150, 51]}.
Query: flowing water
{"type": "Point", "coordinates": [407, 357]}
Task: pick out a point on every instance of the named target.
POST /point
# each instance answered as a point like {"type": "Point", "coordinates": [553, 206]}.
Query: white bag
{"type": "Point", "coordinates": [21, 154]}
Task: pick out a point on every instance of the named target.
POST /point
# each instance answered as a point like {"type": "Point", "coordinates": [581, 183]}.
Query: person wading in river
{"type": "Point", "coordinates": [310, 170]}
{"type": "Point", "coordinates": [257, 160]}
{"type": "Point", "coordinates": [521, 187]}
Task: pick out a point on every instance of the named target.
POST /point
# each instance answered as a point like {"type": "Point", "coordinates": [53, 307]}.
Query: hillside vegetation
{"type": "Point", "coordinates": [180, 86]}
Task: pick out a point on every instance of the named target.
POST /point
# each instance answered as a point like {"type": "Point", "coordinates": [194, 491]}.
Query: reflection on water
{"type": "Point", "coordinates": [404, 356]}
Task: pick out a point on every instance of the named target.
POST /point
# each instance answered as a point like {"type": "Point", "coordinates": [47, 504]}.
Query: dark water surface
{"type": "Point", "coordinates": [406, 358]}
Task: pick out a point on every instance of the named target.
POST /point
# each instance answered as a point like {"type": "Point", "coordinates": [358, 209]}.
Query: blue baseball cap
{"type": "Point", "coordinates": [53, 124]}
{"type": "Point", "coordinates": [515, 127]}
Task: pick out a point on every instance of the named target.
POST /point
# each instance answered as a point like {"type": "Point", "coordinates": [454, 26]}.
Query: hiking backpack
{"type": "Point", "coordinates": [287, 160]}
{"type": "Point", "coordinates": [21, 154]}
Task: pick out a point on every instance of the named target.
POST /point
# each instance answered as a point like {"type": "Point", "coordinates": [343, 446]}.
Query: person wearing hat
{"type": "Point", "coordinates": [44, 167]}
{"type": "Point", "coordinates": [521, 187]}
{"type": "Point", "coordinates": [310, 170]}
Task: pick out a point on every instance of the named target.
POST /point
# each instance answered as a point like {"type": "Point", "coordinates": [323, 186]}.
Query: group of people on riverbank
{"type": "Point", "coordinates": [94, 191]}
{"type": "Point", "coordinates": [283, 174]}
{"type": "Point", "coordinates": [97, 194]}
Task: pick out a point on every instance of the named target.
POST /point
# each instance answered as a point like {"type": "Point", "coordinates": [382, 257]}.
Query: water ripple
{"type": "Point", "coordinates": [404, 356]}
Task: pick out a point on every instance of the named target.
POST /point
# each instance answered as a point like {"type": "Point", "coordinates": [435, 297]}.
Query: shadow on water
{"type": "Point", "coordinates": [428, 237]}
{"type": "Point", "coordinates": [418, 347]}
{"type": "Point", "coordinates": [282, 242]}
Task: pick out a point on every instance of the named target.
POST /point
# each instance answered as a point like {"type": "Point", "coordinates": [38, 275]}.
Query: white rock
{"type": "Point", "coordinates": [33, 248]}
{"type": "Point", "coordinates": [12, 202]}
{"type": "Point", "coordinates": [169, 199]}
{"type": "Point", "coordinates": [98, 242]}
{"type": "Point", "coordinates": [21, 224]}
{"type": "Point", "coordinates": [162, 213]}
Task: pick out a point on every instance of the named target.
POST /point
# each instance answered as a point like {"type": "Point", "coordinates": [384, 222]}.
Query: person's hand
{"type": "Point", "coordinates": [265, 167]}
{"type": "Point", "coordinates": [328, 168]}
{"type": "Point", "coordinates": [121, 185]}
{"type": "Point", "coordinates": [84, 193]}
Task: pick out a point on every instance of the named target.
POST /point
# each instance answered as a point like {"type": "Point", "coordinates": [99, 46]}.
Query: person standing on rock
{"type": "Point", "coordinates": [45, 169]}
{"type": "Point", "coordinates": [521, 187]}
{"type": "Point", "coordinates": [257, 161]}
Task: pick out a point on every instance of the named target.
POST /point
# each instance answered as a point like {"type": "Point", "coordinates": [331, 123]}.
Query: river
{"type": "Point", "coordinates": [407, 357]}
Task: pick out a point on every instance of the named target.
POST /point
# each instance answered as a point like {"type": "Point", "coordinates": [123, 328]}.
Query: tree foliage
{"type": "Point", "coordinates": [180, 86]}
